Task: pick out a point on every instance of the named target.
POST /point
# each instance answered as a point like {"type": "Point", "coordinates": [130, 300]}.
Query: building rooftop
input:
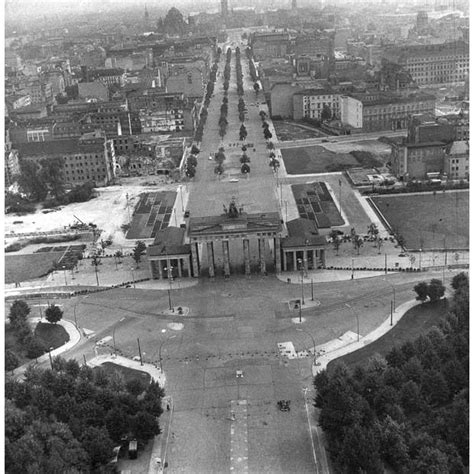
{"type": "Point", "coordinates": [243, 223]}
{"type": "Point", "coordinates": [371, 98]}
{"type": "Point", "coordinates": [58, 147]}
{"type": "Point", "coordinates": [169, 241]}
{"type": "Point", "coordinates": [303, 232]}
{"type": "Point", "coordinates": [458, 147]}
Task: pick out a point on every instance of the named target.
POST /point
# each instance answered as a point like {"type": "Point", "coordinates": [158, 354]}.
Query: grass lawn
{"type": "Point", "coordinates": [52, 335]}
{"type": "Point", "coordinates": [27, 267]}
{"type": "Point", "coordinates": [415, 322]}
{"type": "Point", "coordinates": [426, 220]}
{"type": "Point", "coordinates": [316, 159]}
{"type": "Point", "coordinates": [128, 374]}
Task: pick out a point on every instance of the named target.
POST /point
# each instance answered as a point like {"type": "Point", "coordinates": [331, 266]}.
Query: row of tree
{"type": "Point", "coordinates": [223, 123]}
{"type": "Point", "coordinates": [266, 127]}
{"type": "Point", "coordinates": [238, 72]}
{"type": "Point", "coordinates": [409, 411]}
{"type": "Point", "coordinates": [207, 99]}
{"type": "Point", "coordinates": [226, 74]}
{"type": "Point", "coordinates": [241, 108]}
{"type": "Point", "coordinates": [69, 419]}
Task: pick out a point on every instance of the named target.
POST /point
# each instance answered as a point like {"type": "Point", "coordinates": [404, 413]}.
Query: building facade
{"type": "Point", "coordinates": [457, 160]}
{"type": "Point", "coordinates": [416, 160]}
{"type": "Point", "coordinates": [384, 111]}
{"type": "Point", "coordinates": [89, 158]}
{"type": "Point", "coordinates": [434, 63]}
{"type": "Point", "coordinates": [310, 103]}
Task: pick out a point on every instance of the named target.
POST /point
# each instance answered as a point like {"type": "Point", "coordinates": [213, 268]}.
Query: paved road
{"type": "Point", "coordinates": [256, 192]}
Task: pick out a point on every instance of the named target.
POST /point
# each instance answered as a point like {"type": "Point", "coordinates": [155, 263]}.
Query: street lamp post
{"type": "Point", "coordinates": [170, 280]}
{"type": "Point", "coordinates": [113, 337]}
{"type": "Point", "coordinates": [75, 318]}
{"type": "Point", "coordinates": [65, 278]}
{"type": "Point", "coordinates": [301, 265]}
{"type": "Point", "coordinates": [133, 276]}
{"type": "Point", "coordinates": [357, 317]}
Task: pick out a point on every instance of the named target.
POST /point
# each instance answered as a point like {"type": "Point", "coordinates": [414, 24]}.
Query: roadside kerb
{"type": "Point", "coordinates": [74, 339]}
{"type": "Point", "coordinates": [324, 360]}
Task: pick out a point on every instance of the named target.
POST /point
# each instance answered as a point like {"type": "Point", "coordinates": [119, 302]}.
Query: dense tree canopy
{"type": "Point", "coordinates": [68, 420]}
{"type": "Point", "coordinates": [408, 412]}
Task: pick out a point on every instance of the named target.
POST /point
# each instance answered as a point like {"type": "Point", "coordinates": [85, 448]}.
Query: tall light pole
{"type": "Point", "coordinates": [65, 278]}
{"type": "Point", "coordinates": [133, 276]}
{"type": "Point", "coordinates": [169, 269]}
{"type": "Point", "coordinates": [301, 265]}
{"type": "Point", "coordinates": [357, 317]}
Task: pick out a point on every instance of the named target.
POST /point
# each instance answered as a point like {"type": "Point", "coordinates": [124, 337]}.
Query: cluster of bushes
{"type": "Point", "coordinates": [17, 204]}
{"type": "Point", "coordinates": [28, 343]}
{"type": "Point", "coordinates": [414, 187]}
{"type": "Point", "coordinates": [219, 158]}
{"type": "Point", "coordinates": [69, 419]}
{"type": "Point", "coordinates": [366, 159]}
{"type": "Point", "coordinates": [266, 130]}
{"type": "Point", "coordinates": [409, 411]}
{"type": "Point", "coordinates": [191, 162]}
{"type": "Point", "coordinates": [14, 247]}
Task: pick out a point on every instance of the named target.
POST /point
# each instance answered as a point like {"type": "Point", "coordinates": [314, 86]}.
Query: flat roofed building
{"type": "Point", "coordinates": [434, 63]}
{"type": "Point", "coordinates": [384, 111]}
{"type": "Point", "coordinates": [89, 158]}
{"type": "Point", "coordinates": [310, 103]}
{"type": "Point", "coordinates": [457, 160]}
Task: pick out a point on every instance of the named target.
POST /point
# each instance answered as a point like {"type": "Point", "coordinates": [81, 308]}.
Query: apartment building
{"type": "Point", "coordinates": [456, 164]}
{"type": "Point", "coordinates": [89, 158]}
{"type": "Point", "coordinates": [269, 45]}
{"type": "Point", "coordinates": [310, 103]}
{"type": "Point", "coordinates": [433, 63]}
{"type": "Point", "coordinates": [374, 111]}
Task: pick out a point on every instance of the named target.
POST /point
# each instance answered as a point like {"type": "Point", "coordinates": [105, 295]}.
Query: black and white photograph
{"type": "Point", "coordinates": [236, 236]}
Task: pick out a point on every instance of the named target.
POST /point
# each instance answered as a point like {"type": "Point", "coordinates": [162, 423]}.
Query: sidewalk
{"type": "Point", "coordinates": [74, 339]}
{"type": "Point", "coordinates": [325, 357]}
{"type": "Point", "coordinates": [155, 372]}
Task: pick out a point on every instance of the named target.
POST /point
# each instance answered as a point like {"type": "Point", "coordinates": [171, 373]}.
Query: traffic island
{"type": "Point", "coordinates": [177, 311]}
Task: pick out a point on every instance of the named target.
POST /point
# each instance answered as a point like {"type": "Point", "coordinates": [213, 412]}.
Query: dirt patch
{"type": "Point", "coordinates": [316, 159]}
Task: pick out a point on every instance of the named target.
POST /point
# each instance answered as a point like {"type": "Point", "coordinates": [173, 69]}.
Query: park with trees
{"type": "Point", "coordinates": [407, 411]}
{"type": "Point", "coordinates": [25, 341]}
{"type": "Point", "coordinates": [70, 417]}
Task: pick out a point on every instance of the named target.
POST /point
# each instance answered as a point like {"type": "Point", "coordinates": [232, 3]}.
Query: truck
{"type": "Point", "coordinates": [132, 449]}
